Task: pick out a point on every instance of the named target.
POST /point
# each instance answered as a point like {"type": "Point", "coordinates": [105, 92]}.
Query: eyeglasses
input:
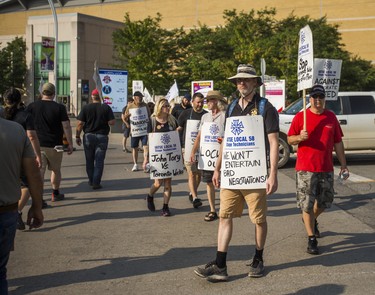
{"type": "Point", "coordinates": [243, 80]}
{"type": "Point", "coordinates": [316, 96]}
{"type": "Point", "coordinates": [166, 106]}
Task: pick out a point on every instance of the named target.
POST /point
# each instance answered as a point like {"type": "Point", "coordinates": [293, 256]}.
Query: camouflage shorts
{"type": "Point", "coordinates": [314, 186]}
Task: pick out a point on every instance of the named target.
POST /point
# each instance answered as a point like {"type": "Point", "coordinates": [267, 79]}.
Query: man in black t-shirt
{"type": "Point", "coordinates": [51, 122]}
{"type": "Point", "coordinates": [180, 107]}
{"type": "Point", "coordinates": [94, 119]}
{"type": "Point", "coordinates": [232, 200]}
{"type": "Point", "coordinates": [193, 115]}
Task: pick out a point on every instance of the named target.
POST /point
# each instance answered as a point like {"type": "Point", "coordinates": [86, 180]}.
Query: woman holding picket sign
{"type": "Point", "coordinates": [165, 159]}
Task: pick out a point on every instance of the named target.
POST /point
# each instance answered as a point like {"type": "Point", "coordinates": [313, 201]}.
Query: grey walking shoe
{"type": "Point", "coordinates": [256, 268]}
{"type": "Point", "coordinates": [212, 272]}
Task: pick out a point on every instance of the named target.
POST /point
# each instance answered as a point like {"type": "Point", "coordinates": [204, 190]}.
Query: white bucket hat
{"type": "Point", "coordinates": [246, 71]}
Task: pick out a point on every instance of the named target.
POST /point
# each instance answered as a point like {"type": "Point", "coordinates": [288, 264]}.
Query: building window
{"type": "Point", "coordinates": [63, 69]}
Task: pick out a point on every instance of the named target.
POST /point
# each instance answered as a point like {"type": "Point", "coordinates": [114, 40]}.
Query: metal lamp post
{"type": "Point", "coordinates": [56, 42]}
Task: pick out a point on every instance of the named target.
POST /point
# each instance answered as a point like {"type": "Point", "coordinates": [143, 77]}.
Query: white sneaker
{"type": "Point", "coordinates": [135, 167]}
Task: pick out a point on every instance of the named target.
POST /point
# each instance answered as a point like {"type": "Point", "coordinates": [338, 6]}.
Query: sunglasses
{"type": "Point", "coordinates": [243, 80]}
{"type": "Point", "coordinates": [316, 96]}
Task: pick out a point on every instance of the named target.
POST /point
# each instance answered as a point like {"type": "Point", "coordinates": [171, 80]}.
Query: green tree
{"type": "Point", "coordinates": [148, 52]}
{"type": "Point", "coordinates": [207, 56]}
{"type": "Point", "coordinates": [13, 64]}
{"type": "Point", "coordinates": [259, 34]}
{"type": "Point", "coordinates": [157, 56]}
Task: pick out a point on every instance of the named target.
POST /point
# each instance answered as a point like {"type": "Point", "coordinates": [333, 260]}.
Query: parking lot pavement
{"type": "Point", "coordinates": [107, 242]}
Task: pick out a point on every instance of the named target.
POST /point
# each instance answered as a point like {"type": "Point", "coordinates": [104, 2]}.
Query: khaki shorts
{"type": "Point", "coordinates": [51, 159]}
{"type": "Point", "coordinates": [192, 168]}
{"type": "Point", "coordinates": [232, 203]}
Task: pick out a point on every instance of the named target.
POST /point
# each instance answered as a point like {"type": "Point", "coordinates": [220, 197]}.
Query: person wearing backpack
{"type": "Point", "coordinates": [232, 200]}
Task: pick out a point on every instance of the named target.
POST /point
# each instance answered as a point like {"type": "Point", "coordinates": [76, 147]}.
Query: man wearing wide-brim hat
{"type": "Point", "coordinates": [231, 201]}
{"type": "Point", "coordinates": [215, 119]}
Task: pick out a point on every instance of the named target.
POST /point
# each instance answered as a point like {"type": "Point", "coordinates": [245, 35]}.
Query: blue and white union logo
{"type": "Point", "coordinates": [165, 138]}
{"type": "Point", "coordinates": [237, 127]}
{"type": "Point", "coordinates": [214, 129]}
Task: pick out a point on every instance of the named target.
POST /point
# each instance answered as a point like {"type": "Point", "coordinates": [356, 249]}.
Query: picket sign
{"type": "Point", "coordinates": [165, 155]}
{"type": "Point", "coordinates": [138, 121]}
{"type": "Point", "coordinates": [244, 163]}
{"type": "Point", "coordinates": [209, 146]}
{"type": "Point", "coordinates": [192, 127]}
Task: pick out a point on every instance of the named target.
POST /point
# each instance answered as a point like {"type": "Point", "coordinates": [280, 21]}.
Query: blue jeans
{"type": "Point", "coordinates": [8, 224]}
{"type": "Point", "coordinates": [95, 146]}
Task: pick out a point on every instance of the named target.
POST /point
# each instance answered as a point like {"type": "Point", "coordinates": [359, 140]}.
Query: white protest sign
{"type": "Point", "coordinates": [137, 85]}
{"type": "Point", "coordinates": [191, 133]}
{"type": "Point", "coordinates": [305, 61]}
{"type": "Point", "coordinates": [138, 121]}
{"type": "Point", "coordinates": [327, 72]}
{"type": "Point", "coordinates": [209, 147]}
{"type": "Point", "coordinates": [275, 93]}
{"type": "Point", "coordinates": [244, 163]}
{"type": "Point", "coordinates": [165, 155]}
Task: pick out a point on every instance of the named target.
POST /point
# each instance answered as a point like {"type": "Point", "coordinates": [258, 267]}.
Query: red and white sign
{"type": "Point", "coordinates": [275, 93]}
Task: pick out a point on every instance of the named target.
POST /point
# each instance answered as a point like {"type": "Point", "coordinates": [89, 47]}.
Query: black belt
{"type": "Point", "coordinates": [9, 208]}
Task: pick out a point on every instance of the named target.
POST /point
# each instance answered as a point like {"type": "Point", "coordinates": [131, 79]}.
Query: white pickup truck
{"type": "Point", "coordinates": [354, 110]}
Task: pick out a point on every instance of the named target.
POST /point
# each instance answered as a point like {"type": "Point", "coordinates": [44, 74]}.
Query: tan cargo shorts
{"type": "Point", "coordinates": [232, 203]}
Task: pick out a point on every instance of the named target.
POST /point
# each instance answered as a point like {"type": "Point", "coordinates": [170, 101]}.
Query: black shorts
{"type": "Point", "coordinates": [207, 176]}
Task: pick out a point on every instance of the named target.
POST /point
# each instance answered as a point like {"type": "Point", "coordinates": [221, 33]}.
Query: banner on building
{"type": "Point", "coordinates": [47, 55]}
{"type": "Point", "coordinates": [327, 72]}
{"type": "Point", "coordinates": [244, 164]}
{"type": "Point", "coordinates": [114, 88]}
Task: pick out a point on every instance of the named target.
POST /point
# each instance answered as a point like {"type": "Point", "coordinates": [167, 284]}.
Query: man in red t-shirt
{"type": "Point", "coordinates": [314, 166]}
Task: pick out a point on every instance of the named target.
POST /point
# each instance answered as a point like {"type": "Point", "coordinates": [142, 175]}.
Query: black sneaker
{"type": "Point", "coordinates": [150, 203]}
{"type": "Point", "coordinates": [316, 229]}
{"type": "Point", "coordinates": [312, 246]}
{"type": "Point", "coordinates": [165, 212]}
{"type": "Point", "coordinates": [96, 186]}
{"type": "Point", "coordinates": [58, 197]}
{"type": "Point", "coordinates": [212, 272]}
{"type": "Point", "coordinates": [256, 268]}
{"type": "Point", "coordinates": [190, 197]}
{"type": "Point", "coordinates": [197, 203]}
{"type": "Point", "coordinates": [44, 204]}
{"type": "Point", "coordinates": [20, 223]}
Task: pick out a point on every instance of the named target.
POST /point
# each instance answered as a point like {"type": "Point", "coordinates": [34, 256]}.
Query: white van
{"type": "Point", "coordinates": [354, 110]}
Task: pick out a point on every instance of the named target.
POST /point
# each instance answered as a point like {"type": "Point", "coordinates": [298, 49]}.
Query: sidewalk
{"type": "Point", "coordinates": [107, 242]}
